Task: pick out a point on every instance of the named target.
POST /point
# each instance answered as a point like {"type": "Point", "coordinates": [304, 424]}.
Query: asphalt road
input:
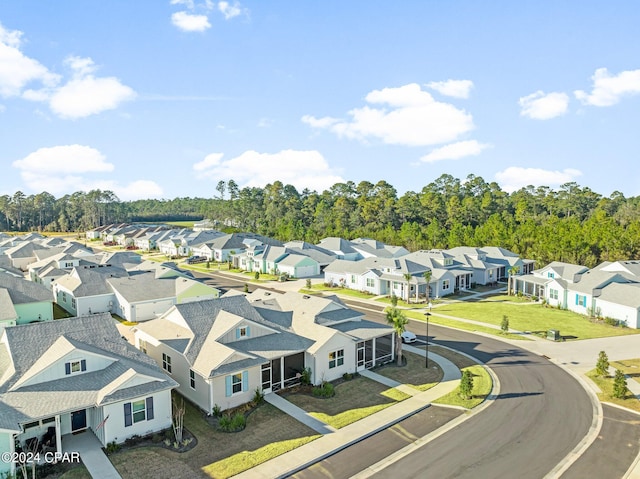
{"type": "Point", "coordinates": [540, 415]}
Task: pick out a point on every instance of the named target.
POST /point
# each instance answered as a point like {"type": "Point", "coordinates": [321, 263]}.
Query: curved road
{"type": "Point", "coordinates": [538, 418]}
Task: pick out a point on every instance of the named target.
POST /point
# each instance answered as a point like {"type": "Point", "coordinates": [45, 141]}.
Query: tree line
{"type": "Point", "coordinates": [572, 224]}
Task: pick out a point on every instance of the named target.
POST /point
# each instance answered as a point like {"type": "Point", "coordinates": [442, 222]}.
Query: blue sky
{"type": "Point", "coordinates": [160, 99]}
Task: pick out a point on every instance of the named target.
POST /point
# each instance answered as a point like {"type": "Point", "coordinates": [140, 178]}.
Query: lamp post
{"type": "Point", "coordinates": [426, 344]}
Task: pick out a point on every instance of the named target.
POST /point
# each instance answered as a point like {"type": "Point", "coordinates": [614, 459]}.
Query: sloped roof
{"type": "Point", "coordinates": [624, 294]}
{"type": "Point", "coordinates": [23, 291]}
{"type": "Point", "coordinates": [95, 333]}
{"type": "Point", "coordinates": [7, 311]}
{"type": "Point", "coordinates": [91, 280]}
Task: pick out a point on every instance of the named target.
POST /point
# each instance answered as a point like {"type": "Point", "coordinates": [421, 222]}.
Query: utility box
{"type": "Point", "coordinates": [553, 335]}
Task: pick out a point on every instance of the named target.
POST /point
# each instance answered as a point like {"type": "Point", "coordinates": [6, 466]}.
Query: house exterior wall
{"type": "Point", "coordinates": [620, 312]}
{"type": "Point", "coordinates": [29, 312]}
{"type": "Point", "coordinates": [322, 370]}
{"type": "Point", "coordinates": [144, 311]}
{"type": "Point", "coordinates": [94, 304]}
{"type": "Point", "coordinates": [255, 330]}
{"type": "Point", "coordinates": [114, 428]}
{"type": "Point", "coordinates": [6, 445]}
{"type": "Point", "coordinates": [334, 277]}
{"type": "Point", "coordinates": [219, 386]}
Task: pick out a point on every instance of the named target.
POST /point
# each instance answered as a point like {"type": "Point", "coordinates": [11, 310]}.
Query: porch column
{"type": "Point", "coordinates": [58, 435]}
{"type": "Point", "coordinates": [282, 372]}
{"type": "Point", "coordinates": [373, 349]}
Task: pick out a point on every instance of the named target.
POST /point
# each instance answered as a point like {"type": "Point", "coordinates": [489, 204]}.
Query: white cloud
{"type": "Point", "coordinates": [18, 70]}
{"type": "Point", "coordinates": [302, 169]}
{"type": "Point", "coordinates": [409, 116]}
{"type": "Point", "coordinates": [84, 94]}
{"type": "Point", "coordinates": [514, 177]}
{"type": "Point", "coordinates": [2, 108]}
{"type": "Point", "coordinates": [609, 89]}
{"type": "Point", "coordinates": [455, 151]}
{"type": "Point", "coordinates": [229, 11]}
{"type": "Point", "coordinates": [187, 3]}
{"type": "Point", "coordinates": [210, 161]}
{"type": "Point", "coordinates": [454, 88]}
{"type": "Point", "coordinates": [61, 169]}
{"type": "Point", "coordinates": [265, 122]}
{"type": "Point", "coordinates": [189, 22]}
{"type": "Point", "coordinates": [64, 159]}
{"type": "Point", "coordinates": [544, 106]}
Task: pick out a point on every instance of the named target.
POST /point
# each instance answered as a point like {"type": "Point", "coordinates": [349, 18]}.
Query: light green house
{"type": "Point", "coordinates": [23, 301]}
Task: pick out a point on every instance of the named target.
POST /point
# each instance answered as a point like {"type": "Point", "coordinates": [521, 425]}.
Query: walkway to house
{"type": "Point", "coordinates": [329, 444]}
{"type": "Point", "coordinates": [91, 453]}
{"type": "Point", "coordinates": [298, 413]}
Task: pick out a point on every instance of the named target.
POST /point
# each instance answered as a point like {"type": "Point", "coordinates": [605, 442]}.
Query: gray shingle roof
{"type": "Point", "coordinates": [22, 291]}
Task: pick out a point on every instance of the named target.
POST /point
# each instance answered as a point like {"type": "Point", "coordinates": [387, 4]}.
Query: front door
{"type": "Point", "coordinates": [79, 420]}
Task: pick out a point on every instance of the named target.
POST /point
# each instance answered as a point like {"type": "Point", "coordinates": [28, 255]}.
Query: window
{"type": "Point", "coordinates": [370, 283]}
{"type": "Point", "coordinates": [73, 367]}
{"type": "Point", "coordinates": [237, 383]}
{"type": "Point", "coordinates": [242, 332]}
{"type": "Point", "coordinates": [143, 346]}
{"type": "Point", "coordinates": [553, 294]}
{"type": "Point", "coordinates": [353, 278]}
{"type": "Point", "coordinates": [73, 302]}
{"type": "Point", "coordinates": [490, 273]}
{"type": "Point", "coordinates": [550, 274]}
{"type": "Point", "coordinates": [445, 284]}
{"type": "Point", "coordinates": [166, 362]}
{"type": "Point", "coordinates": [64, 296]}
{"type": "Point", "coordinates": [138, 411]}
{"type": "Point", "coordinates": [336, 358]}
{"type": "Point", "coordinates": [192, 378]}
{"type": "Point", "coordinates": [581, 300]}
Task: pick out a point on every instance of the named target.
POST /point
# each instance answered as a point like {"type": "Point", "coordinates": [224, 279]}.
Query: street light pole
{"type": "Point", "coordinates": [427, 342]}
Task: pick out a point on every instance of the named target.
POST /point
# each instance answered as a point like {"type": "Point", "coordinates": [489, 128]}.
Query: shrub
{"type": "Point", "coordinates": [394, 300]}
{"type": "Point", "coordinates": [602, 366]}
{"type": "Point", "coordinates": [466, 384]}
{"type": "Point", "coordinates": [246, 288]}
{"type": "Point", "coordinates": [258, 396]}
{"type": "Point", "coordinates": [156, 438]}
{"type": "Point", "coordinates": [620, 388]}
{"type": "Point", "coordinates": [216, 411]}
{"type": "Point", "coordinates": [234, 423]}
{"type": "Point", "coordinates": [325, 390]}
{"type": "Point", "coordinates": [611, 321]}
{"type": "Point", "coordinates": [347, 376]}
{"type": "Point", "coordinates": [534, 298]}
{"type": "Point", "coordinates": [308, 283]}
{"type": "Point", "coordinates": [305, 376]}
{"type": "Point", "coordinates": [112, 447]}
{"type": "Point", "coordinates": [256, 275]}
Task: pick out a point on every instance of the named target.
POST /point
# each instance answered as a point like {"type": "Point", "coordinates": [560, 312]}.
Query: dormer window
{"type": "Point", "coordinates": [242, 332]}
{"type": "Point", "coordinates": [73, 367]}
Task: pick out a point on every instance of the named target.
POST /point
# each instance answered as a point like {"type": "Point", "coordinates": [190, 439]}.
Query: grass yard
{"type": "Point", "coordinates": [346, 291]}
{"type": "Point", "coordinates": [631, 367]}
{"type": "Point", "coordinates": [504, 298]}
{"type": "Point", "coordinates": [482, 385]}
{"type": "Point", "coordinates": [606, 386]}
{"type": "Point", "coordinates": [402, 303]}
{"type": "Point", "coordinates": [414, 374]}
{"type": "Point", "coordinates": [59, 312]}
{"type": "Point", "coordinates": [464, 326]}
{"type": "Point", "coordinates": [534, 318]}
{"type": "Point", "coordinates": [79, 472]}
{"type": "Point", "coordinates": [354, 400]}
{"type": "Point", "coordinates": [268, 434]}
{"type": "Point", "coordinates": [181, 224]}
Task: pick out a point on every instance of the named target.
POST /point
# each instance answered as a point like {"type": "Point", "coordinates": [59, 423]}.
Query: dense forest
{"type": "Point", "coordinates": [572, 224]}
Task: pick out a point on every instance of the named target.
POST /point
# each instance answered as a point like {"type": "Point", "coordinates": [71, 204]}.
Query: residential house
{"type": "Point", "coordinates": [78, 374]}
{"type": "Point", "coordinates": [221, 351]}
{"type": "Point", "coordinates": [368, 247]}
{"type": "Point", "coordinates": [24, 301]}
{"type": "Point", "coordinates": [323, 256]}
{"type": "Point", "coordinates": [342, 248]}
{"type": "Point", "coordinates": [483, 271]}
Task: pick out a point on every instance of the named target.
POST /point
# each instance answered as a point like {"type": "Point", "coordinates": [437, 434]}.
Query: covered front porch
{"type": "Point", "coordinates": [530, 285]}
{"type": "Point", "coordinates": [374, 342]}
{"type": "Point", "coordinates": [283, 372]}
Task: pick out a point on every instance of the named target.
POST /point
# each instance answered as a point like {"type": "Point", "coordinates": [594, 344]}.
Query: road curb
{"type": "Point", "coordinates": [590, 437]}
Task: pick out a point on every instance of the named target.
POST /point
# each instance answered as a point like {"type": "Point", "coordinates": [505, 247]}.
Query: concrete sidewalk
{"type": "Point", "coordinates": [329, 444]}
{"type": "Point", "coordinates": [91, 453]}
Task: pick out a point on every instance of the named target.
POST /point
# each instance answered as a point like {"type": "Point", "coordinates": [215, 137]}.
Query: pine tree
{"type": "Point", "coordinates": [620, 388]}
{"type": "Point", "coordinates": [466, 384]}
{"type": "Point", "coordinates": [602, 366]}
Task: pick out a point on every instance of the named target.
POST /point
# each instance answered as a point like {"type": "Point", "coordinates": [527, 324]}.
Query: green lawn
{"type": "Point", "coordinates": [631, 367]}
{"type": "Point", "coordinates": [482, 385]}
{"type": "Point", "coordinates": [181, 224]}
{"type": "Point", "coordinates": [535, 318]}
{"type": "Point", "coordinates": [353, 401]}
{"type": "Point", "coordinates": [414, 373]}
{"type": "Point", "coordinates": [347, 291]}
{"type": "Point", "coordinates": [452, 323]}
{"type": "Point", "coordinates": [606, 386]}
{"type": "Point", "coordinates": [59, 312]}
{"type": "Point", "coordinates": [402, 303]}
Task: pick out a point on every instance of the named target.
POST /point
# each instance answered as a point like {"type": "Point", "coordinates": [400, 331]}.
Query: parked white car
{"type": "Point", "coordinates": [408, 337]}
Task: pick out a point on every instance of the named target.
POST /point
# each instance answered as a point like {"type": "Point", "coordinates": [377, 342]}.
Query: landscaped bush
{"type": "Point", "coordinates": [112, 447]}
{"type": "Point", "coordinates": [347, 376]}
{"type": "Point", "coordinates": [325, 390]}
{"type": "Point", "coordinates": [258, 397]}
{"type": "Point", "coordinates": [216, 411]}
{"type": "Point", "coordinates": [234, 423]}
{"type": "Point", "coordinates": [305, 376]}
